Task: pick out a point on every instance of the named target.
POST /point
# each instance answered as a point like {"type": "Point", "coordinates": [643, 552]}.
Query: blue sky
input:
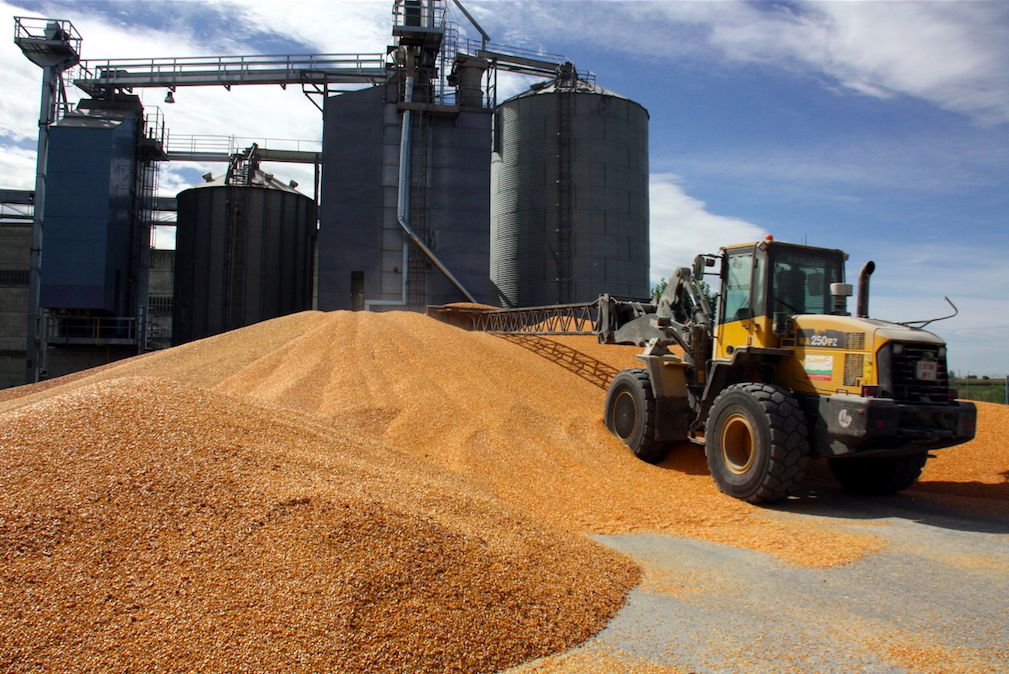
{"type": "Point", "coordinates": [881, 128]}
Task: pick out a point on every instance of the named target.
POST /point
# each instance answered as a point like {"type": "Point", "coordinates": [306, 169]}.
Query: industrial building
{"type": "Point", "coordinates": [406, 190]}
{"type": "Point", "coordinates": [15, 254]}
{"type": "Point", "coordinates": [427, 192]}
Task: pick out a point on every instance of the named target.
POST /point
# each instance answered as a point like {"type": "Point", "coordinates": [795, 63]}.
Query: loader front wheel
{"type": "Point", "coordinates": [756, 442]}
{"type": "Point", "coordinates": [630, 414]}
{"type": "Point", "coordinates": [878, 475]}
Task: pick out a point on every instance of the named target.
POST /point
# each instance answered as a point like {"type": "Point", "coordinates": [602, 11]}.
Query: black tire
{"type": "Point", "coordinates": [878, 475]}
{"type": "Point", "coordinates": [756, 442]}
{"type": "Point", "coordinates": [630, 414]}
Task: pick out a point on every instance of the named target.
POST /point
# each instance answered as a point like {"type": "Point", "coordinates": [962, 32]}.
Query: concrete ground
{"type": "Point", "coordinates": [934, 599]}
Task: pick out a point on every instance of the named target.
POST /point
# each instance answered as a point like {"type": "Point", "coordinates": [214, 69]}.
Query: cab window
{"type": "Point", "coordinates": [736, 303]}
{"type": "Point", "coordinates": [801, 283]}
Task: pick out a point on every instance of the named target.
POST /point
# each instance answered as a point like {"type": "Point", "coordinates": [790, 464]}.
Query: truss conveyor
{"type": "Point", "coordinates": [95, 76]}
{"type": "Point", "coordinates": [600, 317]}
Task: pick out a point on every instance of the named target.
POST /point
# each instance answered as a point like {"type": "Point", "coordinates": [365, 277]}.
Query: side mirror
{"type": "Point", "coordinates": [699, 267]}
{"type": "Point", "coordinates": [700, 262]}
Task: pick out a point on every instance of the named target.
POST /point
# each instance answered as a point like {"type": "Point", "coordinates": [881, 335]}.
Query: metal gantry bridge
{"type": "Point", "coordinates": [314, 72]}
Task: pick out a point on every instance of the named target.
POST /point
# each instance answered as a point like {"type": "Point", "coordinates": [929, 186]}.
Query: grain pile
{"type": "Point", "coordinates": [979, 468]}
{"type": "Point", "coordinates": [521, 423]}
{"type": "Point", "coordinates": [515, 420]}
{"type": "Point", "coordinates": [973, 477]}
{"type": "Point", "coordinates": [297, 492]}
{"type": "Point", "coordinates": [150, 524]}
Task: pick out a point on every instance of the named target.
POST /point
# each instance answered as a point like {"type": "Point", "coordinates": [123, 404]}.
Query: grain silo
{"type": "Point", "coordinates": [244, 248]}
{"type": "Point", "coordinates": [569, 195]}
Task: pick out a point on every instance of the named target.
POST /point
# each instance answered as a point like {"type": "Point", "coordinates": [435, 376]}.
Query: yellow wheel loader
{"type": "Point", "coordinates": [779, 373]}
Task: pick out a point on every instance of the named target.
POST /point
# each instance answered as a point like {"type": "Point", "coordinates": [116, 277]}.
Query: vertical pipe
{"type": "Point", "coordinates": [47, 113]}
{"type": "Point", "coordinates": [403, 211]}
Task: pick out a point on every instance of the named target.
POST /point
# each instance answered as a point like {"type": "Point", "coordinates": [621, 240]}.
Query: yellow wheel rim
{"type": "Point", "coordinates": [738, 442]}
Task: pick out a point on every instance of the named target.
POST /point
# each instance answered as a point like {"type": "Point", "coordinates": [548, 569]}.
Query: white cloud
{"type": "Point", "coordinates": [19, 112]}
{"type": "Point", "coordinates": [163, 238]}
{"type": "Point", "coordinates": [327, 27]}
{"type": "Point", "coordinates": [682, 228]}
{"type": "Point", "coordinates": [952, 54]}
{"type": "Point", "coordinates": [17, 169]}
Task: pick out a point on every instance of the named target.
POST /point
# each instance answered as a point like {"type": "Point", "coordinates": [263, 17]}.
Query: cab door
{"type": "Point", "coordinates": [742, 320]}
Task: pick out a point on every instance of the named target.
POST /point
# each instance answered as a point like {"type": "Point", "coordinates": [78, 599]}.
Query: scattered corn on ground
{"type": "Point", "coordinates": [372, 492]}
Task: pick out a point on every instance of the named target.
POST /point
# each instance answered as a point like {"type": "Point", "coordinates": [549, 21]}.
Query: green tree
{"type": "Point", "coordinates": [659, 288]}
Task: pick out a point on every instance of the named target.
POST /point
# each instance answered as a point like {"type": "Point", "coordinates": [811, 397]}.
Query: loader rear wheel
{"type": "Point", "coordinates": [878, 475]}
{"type": "Point", "coordinates": [756, 442]}
{"type": "Point", "coordinates": [630, 414]}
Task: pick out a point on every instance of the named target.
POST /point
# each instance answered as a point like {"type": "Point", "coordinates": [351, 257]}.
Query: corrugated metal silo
{"type": "Point", "coordinates": [244, 254]}
{"type": "Point", "coordinates": [569, 196]}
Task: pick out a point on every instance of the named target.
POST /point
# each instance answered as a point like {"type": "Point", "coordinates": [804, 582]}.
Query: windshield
{"type": "Point", "coordinates": [801, 282]}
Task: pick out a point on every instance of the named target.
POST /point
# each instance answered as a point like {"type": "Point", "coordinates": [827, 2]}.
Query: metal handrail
{"type": "Point", "coordinates": [94, 68]}
{"type": "Point", "coordinates": [470, 46]}
{"type": "Point", "coordinates": [36, 28]}
{"type": "Point", "coordinates": [91, 330]}
{"type": "Point", "coordinates": [94, 75]}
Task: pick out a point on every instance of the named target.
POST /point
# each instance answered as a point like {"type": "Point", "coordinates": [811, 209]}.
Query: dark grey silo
{"type": "Point", "coordinates": [569, 196]}
{"type": "Point", "coordinates": [243, 255]}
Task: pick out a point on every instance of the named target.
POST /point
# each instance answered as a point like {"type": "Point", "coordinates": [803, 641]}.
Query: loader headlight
{"type": "Point", "coordinates": [942, 351]}
{"type": "Point", "coordinates": [898, 348]}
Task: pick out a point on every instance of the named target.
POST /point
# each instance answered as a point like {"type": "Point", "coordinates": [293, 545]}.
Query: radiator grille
{"type": "Point", "coordinates": [854, 341]}
{"type": "Point", "coordinates": [854, 366]}
{"type": "Point", "coordinates": [906, 385]}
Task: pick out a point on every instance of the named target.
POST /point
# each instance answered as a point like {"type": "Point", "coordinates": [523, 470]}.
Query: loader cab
{"type": "Point", "coordinates": [764, 280]}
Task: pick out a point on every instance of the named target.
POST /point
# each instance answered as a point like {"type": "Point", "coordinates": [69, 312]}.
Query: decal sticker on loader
{"type": "Point", "coordinates": [823, 339]}
{"type": "Point", "coordinates": [819, 368]}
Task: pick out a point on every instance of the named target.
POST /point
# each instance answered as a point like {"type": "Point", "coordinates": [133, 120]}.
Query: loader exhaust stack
{"type": "Point", "coordinates": [862, 309]}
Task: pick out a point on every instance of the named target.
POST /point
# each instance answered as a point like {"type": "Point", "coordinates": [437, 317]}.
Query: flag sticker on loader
{"type": "Point", "coordinates": [819, 368]}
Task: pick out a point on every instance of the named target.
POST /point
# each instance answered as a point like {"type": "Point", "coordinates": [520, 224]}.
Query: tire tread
{"type": "Point", "coordinates": [789, 451]}
{"type": "Point", "coordinates": [649, 449]}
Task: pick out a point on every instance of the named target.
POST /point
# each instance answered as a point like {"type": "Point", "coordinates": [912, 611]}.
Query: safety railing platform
{"type": "Point", "coordinates": [95, 76]}
{"type": "Point", "coordinates": [91, 331]}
